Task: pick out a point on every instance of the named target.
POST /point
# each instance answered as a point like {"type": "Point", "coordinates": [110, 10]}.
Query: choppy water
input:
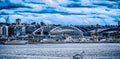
{"type": "Point", "coordinates": [61, 51]}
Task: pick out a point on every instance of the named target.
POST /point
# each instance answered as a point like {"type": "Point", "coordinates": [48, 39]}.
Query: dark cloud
{"type": "Point", "coordinates": [78, 6]}
{"type": "Point", "coordinates": [7, 4]}
{"type": "Point", "coordinates": [33, 2]}
{"type": "Point", "coordinates": [116, 20]}
{"type": "Point", "coordinates": [75, 0]}
{"type": "Point", "coordinates": [13, 6]}
{"type": "Point", "coordinates": [53, 12]}
{"type": "Point", "coordinates": [115, 5]}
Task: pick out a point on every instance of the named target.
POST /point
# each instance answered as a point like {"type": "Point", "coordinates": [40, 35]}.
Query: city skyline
{"type": "Point", "coordinates": [66, 12]}
{"type": "Point", "coordinates": [59, 29]}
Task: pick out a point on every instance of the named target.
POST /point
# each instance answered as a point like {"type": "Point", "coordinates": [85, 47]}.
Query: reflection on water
{"type": "Point", "coordinates": [61, 51]}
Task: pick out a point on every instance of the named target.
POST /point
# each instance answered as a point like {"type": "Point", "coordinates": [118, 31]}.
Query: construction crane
{"type": "Point", "coordinates": [7, 21]}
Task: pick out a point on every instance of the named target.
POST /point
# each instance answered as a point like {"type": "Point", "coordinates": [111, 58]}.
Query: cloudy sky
{"type": "Point", "coordinates": [79, 12]}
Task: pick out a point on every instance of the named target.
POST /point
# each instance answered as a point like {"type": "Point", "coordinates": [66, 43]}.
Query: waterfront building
{"type": "Point", "coordinates": [4, 30]}
{"type": "Point", "coordinates": [11, 30]}
{"type": "Point", "coordinates": [30, 28]}
{"type": "Point", "coordinates": [19, 30]}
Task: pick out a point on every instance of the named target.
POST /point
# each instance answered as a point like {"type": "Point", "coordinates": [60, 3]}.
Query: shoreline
{"type": "Point", "coordinates": [64, 43]}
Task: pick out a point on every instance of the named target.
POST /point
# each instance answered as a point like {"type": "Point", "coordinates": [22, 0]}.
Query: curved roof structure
{"type": "Point", "coordinates": [66, 31]}
{"type": "Point", "coordinates": [43, 29]}
{"type": "Point", "coordinates": [59, 32]}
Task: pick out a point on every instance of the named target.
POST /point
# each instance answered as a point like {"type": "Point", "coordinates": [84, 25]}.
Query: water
{"type": "Point", "coordinates": [61, 51]}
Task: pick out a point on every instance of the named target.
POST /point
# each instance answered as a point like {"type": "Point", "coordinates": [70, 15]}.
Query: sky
{"type": "Point", "coordinates": [67, 12]}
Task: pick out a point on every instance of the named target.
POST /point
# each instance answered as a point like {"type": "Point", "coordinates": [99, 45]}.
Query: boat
{"type": "Point", "coordinates": [16, 42]}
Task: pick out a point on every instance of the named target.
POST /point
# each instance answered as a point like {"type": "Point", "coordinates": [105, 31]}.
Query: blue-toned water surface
{"type": "Point", "coordinates": [61, 51]}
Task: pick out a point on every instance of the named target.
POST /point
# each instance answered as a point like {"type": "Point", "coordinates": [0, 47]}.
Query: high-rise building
{"type": "Point", "coordinates": [18, 21]}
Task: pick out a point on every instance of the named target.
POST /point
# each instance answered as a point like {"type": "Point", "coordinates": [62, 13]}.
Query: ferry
{"type": "Point", "coordinates": [16, 42]}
